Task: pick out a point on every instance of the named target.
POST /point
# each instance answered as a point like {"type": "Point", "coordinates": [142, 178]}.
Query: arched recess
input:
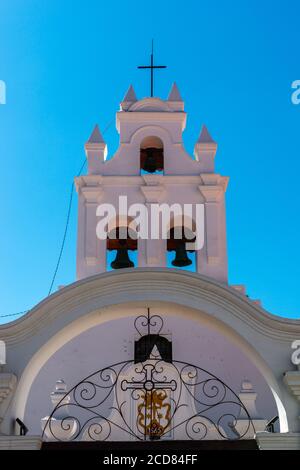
{"type": "Point", "coordinates": [144, 132]}
{"type": "Point", "coordinates": [152, 155]}
{"type": "Point", "coordinates": [99, 316]}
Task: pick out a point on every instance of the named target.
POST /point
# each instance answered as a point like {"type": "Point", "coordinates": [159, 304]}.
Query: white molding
{"type": "Point", "coordinates": [97, 182]}
{"type": "Point", "coordinates": [154, 103]}
{"type": "Point", "coordinates": [159, 283]}
{"type": "Point", "coordinates": [278, 441]}
{"type": "Point", "coordinates": [292, 381]}
{"type": "Point", "coordinates": [8, 384]}
{"type": "Point", "coordinates": [20, 442]}
{"type": "Point", "coordinates": [153, 194]}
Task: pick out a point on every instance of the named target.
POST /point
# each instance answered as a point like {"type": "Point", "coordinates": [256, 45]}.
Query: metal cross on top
{"type": "Point", "coordinates": [152, 67]}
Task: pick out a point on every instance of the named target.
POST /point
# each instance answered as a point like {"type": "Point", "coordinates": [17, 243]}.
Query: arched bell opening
{"type": "Point", "coordinates": [152, 155]}
{"type": "Point", "coordinates": [120, 241]}
{"type": "Point", "coordinates": [179, 254]}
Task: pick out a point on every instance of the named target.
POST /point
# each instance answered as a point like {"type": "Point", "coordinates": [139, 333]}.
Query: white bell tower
{"type": "Point", "coordinates": [150, 132]}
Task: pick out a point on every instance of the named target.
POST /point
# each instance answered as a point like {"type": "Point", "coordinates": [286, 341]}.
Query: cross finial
{"type": "Point", "coordinates": [152, 67]}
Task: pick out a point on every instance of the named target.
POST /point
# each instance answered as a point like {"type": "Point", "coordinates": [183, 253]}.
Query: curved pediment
{"type": "Point", "coordinates": [154, 284]}
{"type": "Point", "coordinates": [150, 105]}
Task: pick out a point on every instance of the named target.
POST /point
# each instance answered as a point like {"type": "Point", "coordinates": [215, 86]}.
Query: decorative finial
{"type": "Point", "coordinates": [205, 137]}
{"type": "Point", "coordinates": [174, 94]}
{"type": "Point", "coordinates": [59, 393]}
{"type": "Point", "coordinates": [129, 99]}
{"type": "Point", "coordinates": [96, 136]}
{"type": "Point", "coordinates": [130, 95]}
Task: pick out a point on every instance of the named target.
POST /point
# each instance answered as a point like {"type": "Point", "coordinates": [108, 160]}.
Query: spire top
{"type": "Point", "coordinates": [205, 137]}
{"type": "Point", "coordinates": [174, 94]}
{"type": "Point", "coordinates": [130, 95]}
{"type": "Point", "coordinates": [96, 136]}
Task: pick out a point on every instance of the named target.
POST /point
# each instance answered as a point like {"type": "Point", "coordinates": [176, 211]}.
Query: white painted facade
{"type": "Point", "coordinates": [88, 325]}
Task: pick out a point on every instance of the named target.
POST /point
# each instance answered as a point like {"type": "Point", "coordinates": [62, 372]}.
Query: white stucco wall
{"type": "Point", "coordinates": [263, 338]}
{"type": "Point", "coordinates": [112, 342]}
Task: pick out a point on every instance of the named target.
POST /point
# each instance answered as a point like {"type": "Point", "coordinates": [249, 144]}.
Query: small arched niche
{"type": "Point", "coordinates": [152, 155]}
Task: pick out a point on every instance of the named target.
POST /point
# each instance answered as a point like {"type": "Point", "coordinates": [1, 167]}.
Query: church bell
{"type": "Point", "coordinates": [122, 259]}
{"type": "Point", "coordinates": [181, 257]}
{"type": "Point", "coordinates": [150, 164]}
{"type": "Point", "coordinates": [152, 159]}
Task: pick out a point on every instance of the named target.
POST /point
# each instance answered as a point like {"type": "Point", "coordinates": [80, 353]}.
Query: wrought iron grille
{"type": "Point", "coordinates": [149, 398]}
{"type": "Point", "coordinates": [97, 406]}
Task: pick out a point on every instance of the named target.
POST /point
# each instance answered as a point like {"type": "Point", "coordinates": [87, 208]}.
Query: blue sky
{"type": "Point", "coordinates": [67, 66]}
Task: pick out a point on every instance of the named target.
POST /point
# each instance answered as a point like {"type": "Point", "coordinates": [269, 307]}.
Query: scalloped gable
{"type": "Point", "coordinates": [150, 105]}
{"type": "Point", "coordinates": [152, 117]}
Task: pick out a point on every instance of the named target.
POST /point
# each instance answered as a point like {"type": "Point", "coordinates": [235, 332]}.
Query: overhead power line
{"type": "Point", "coordinates": [14, 314]}
{"type": "Point", "coordinates": [64, 233]}
{"type": "Point", "coordinates": [68, 219]}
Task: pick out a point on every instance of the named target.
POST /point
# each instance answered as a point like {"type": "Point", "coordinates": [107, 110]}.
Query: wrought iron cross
{"type": "Point", "coordinates": [152, 67]}
{"type": "Point", "coordinates": [148, 384]}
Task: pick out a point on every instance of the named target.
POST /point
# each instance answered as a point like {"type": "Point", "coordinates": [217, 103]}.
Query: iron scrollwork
{"type": "Point", "coordinates": [149, 398]}
{"type": "Point", "coordinates": [179, 399]}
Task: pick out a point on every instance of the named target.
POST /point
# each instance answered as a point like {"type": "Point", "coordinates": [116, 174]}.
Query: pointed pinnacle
{"type": "Point", "coordinates": [205, 137]}
{"type": "Point", "coordinates": [96, 136]}
{"type": "Point", "coordinates": [174, 94]}
{"type": "Point", "coordinates": [130, 95]}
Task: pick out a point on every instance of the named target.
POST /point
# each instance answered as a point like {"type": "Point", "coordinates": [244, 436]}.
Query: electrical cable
{"type": "Point", "coordinates": [64, 234]}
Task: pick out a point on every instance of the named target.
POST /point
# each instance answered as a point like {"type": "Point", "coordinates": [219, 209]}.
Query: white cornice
{"type": "Point", "coordinates": [142, 284]}
{"type": "Point", "coordinates": [153, 180]}
{"type": "Point", "coordinates": [153, 193]}
{"type": "Point", "coordinates": [92, 194]}
{"type": "Point", "coordinates": [214, 179]}
{"type": "Point", "coordinates": [136, 180]}
{"type": "Point", "coordinates": [151, 117]}
{"type": "Point", "coordinates": [213, 186]}
{"type": "Point", "coordinates": [292, 381]}
{"type": "Point", "coordinates": [278, 441]}
{"type": "Point", "coordinates": [20, 442]}
{"type": "Point", "coordinates": [94, 146]}
{"type": "Point", "coordinates": [211, 193]}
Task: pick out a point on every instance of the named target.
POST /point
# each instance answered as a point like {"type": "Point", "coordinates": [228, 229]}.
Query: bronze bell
{"type": "Point", "coordinates": [181, 257]}
{"type": "Point", "coordinates": [122, 259]}
{"type": "Point", "coordinates": [150, 164]}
